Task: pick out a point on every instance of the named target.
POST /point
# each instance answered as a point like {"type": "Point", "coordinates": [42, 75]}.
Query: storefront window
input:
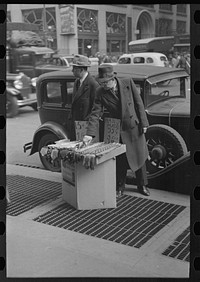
{"type": "Point", "coordinates": [163, 27]}
{"type": "Point", "coordinates": [115, 23]}
{"type": "Point", "coordinates": [87, 47]}
{"type": "Point", "coordinates": [35, 16]}
{"type": "Point", "coordinates": [181, 27]}
{"type": "Point", "coordinates": [87, 31]}
{"type": "Point", "coordinates": [167, 7]}
{"type": "Point", "coordinates": [115, 46]}
{"type": "Point", "coordinates": [116, 33]}
{"type": "Point", "coordinates": [87, 20]}
{"type": "Point", "coordinates": [181, 8]}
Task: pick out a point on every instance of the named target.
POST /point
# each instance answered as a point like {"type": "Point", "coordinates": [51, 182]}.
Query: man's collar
{"type": "Point", "coordinates": [84, 77]}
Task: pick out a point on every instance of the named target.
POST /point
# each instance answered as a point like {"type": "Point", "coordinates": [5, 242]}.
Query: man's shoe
{"type": "Point", "coordinates": [119, 193]}
{"type": "Point", "coordinates": [143, 190]}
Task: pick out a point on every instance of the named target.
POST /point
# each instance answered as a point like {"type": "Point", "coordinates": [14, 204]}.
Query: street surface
{"type": "Point", "coordinates": [20, 130]}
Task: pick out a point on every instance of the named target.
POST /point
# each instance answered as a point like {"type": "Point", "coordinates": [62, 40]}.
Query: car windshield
{"type": "Point", "coordinates": [69, 60]}
{"type": "Point", "coordinates": [42, 59]}
{"type": "Point", "coordinates": [164, 90]}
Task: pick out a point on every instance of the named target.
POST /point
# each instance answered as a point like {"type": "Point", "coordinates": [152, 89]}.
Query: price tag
{"type": "Point", "coordinates": [111, 130]}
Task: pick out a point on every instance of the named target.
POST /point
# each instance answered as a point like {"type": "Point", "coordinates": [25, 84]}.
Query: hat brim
{"type": "Point", "coordinates": [104, 79]}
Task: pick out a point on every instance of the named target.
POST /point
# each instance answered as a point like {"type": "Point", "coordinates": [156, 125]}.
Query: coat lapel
{"type": "Point", "coordinates": [84, 87]}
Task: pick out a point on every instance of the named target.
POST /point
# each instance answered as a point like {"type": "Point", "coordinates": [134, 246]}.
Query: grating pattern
{"type": "Point", "coordinates": [180, 248]}
{"type": "Point", "coordinates": [32, 166]}
{"type": "Point", "coordinates": [132, 223]}
{"type": "Point", "coordinates": [28, 192]}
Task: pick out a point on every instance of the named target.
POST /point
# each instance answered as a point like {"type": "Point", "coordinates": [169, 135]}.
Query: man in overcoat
{"type": "Point", "coordinates": [122, 100]}
{"type": "Point", "coordinates": [83, 92]}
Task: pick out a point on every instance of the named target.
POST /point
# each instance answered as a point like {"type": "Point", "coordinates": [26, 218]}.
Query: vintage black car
{"type": "Point", "coordinates": [166, 96]}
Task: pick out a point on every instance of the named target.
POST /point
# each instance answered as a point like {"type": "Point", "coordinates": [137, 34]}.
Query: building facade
{"type": "Point", "coordinates": [88, 29]}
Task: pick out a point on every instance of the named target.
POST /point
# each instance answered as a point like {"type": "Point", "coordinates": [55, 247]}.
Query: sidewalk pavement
{"type": "Point", "coordinates": [39, 250]}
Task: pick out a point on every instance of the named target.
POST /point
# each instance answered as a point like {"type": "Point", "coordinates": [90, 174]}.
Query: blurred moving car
{"type": "Point", "coordinates": [163, 91]}
{"type": "Point", "coordinates": [20, 92]}
{"type": "Point", "coordinates": [146, 58]}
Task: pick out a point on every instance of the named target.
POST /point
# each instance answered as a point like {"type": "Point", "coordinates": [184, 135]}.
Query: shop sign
{"type": "Point", "coordinates": [67, 19]}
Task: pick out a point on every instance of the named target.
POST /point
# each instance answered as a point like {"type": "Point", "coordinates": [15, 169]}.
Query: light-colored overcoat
{"type": "Point", "coordinates": [133, 119]}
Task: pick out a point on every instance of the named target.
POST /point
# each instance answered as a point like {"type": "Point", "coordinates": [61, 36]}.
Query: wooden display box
{"type": "Point", "coordinates": [91, 189]}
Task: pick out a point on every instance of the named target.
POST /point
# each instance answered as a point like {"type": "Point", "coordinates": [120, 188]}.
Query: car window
{"type": "Point", "coordinates": [166, 89]}
{"type": "Point", "coordinates": [25, 59]}
{"type": "Point", "coordinates": [125, 60]}
{"type": "Point", "coordinates": [163, 58]}
{"type": "Point", "coordinates": [69, 60]}
{"type": "Point", "coordinates": [149, 60]}
{"type": "Point", "coordinates": [53, 92]}
{"type": "Point", "coordinates": [41, 59]}
{"type": "Point", "coordinates": [138, 60]}
{"type": "Point", "coordinates": [69, 88]}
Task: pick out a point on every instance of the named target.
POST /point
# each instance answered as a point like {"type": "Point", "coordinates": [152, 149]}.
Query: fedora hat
{"type": "Point", "coordinates": [81, 61]}
{"type": "Point", "coordinates": [105, 73]}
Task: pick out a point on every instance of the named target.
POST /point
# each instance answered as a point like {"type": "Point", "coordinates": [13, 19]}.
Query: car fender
{"type": "Point", "coordinates": [48, 127]}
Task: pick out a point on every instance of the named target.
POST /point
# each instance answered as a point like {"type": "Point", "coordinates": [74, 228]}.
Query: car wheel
{"type": "Point", "coordinates": [47, 162]}
{"type": "Point", "coordinates": [12, 107]}
{"type": "Point", "coordinates": [165, 146]}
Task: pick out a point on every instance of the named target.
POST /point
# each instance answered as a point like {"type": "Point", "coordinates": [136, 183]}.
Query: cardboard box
{"type": "Point", "coordinates": [89, 189]}
{"type": "Point", "coordinates": [93, 189]}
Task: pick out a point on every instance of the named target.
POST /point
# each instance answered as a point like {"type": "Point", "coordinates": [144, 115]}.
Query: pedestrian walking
{"type": "Point", "coordinates": [122, 100]}
{"type": "Point", "coordinates": [182, 62]}
{"type": "Point", "coordinates": [83, 92]}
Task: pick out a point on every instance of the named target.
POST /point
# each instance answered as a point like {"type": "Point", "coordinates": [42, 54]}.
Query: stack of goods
{"type": "Point", "coordinates": [75, 151]}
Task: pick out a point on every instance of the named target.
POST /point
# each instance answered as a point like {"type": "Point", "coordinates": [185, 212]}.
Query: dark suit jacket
{"type": "Point", "coordinates": [82, 101]}
{"type": "Point", "coordinates": [133, 119]}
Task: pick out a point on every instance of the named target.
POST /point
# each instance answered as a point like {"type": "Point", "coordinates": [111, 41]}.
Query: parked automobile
{"type": "Point", "coordinates": [146, 58]}
{"type": "Point", "coordinates": [20, 92]}
{"type": "Point", "coordinates": [166, 101]}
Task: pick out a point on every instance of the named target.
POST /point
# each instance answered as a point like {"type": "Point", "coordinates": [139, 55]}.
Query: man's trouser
{"type": "Point", "coordinates": [121, 171]}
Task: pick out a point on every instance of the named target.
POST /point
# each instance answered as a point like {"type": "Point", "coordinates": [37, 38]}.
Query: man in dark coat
{"type": "Point", "coordinates": [121, 98]}
{"type": "Point", "coordinates": [83, 92]}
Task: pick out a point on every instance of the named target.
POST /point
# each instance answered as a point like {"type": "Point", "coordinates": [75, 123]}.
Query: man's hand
{"type": "Point", "coordinates": [87, 139]}
{"type": "Point", "coordinates": [144, 129]}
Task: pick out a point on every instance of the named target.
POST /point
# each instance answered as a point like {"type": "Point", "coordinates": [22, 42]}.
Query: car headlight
{"type": "Point", "coordinates": [33, 81]}
{"type": "Point", "coordinates": [18, 84]}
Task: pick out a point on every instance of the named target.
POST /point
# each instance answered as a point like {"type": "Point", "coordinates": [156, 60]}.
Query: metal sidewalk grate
{"type": "Point", "coordinates": [28, 192]}
{"type": "Point", "coordinates": [135, 220]}
{"type": "Point", "coordinates": [31, 166]}
{"type": "Point", "coordinates": [180, 248]}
